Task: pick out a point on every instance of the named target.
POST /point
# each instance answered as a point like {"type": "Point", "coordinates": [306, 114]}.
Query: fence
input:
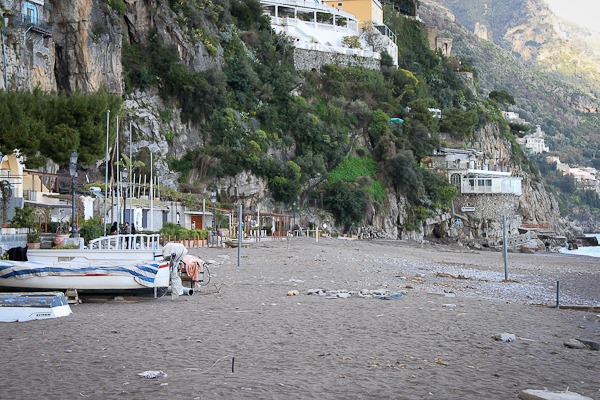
{"type": "Point", "coordinates": [132, 242]}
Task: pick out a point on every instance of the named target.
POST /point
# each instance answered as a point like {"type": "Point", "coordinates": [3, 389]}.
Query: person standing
{"type": "Point", "coordinates": [114, 228]}
{"type": "Point", "coordinates": [127, 231]}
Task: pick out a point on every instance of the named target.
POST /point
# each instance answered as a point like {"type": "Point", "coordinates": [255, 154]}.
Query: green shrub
{"type": "Point", "coordinates": [91, 229]}
{"type": "Point", "coordinates": [119, 6]}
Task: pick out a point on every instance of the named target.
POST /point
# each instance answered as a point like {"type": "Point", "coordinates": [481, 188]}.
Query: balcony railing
{"type": "Point", "coordinates": [33, 23]}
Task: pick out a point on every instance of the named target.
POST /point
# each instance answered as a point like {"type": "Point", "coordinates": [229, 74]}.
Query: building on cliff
{"type": "Point", "coordinates": [332, 35]}
{"type": "Point", "coordinates": [439, 43]}
{"type": "Point", "coordinates": [26, 39]}
{"type": "Point", "coordinates": [471, 173]}
{"type": "Point", "coordinates": [534, 142]}
{"type": "Point", "coordinates": [585, 178]}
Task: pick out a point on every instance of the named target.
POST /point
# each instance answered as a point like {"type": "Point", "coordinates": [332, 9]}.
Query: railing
{"type": "Point", "coordinates": [308, 5]}
{"type": "Point", "coordinates": [350, 30]}
{"type": "Point", "coordinates": [36, 24]}
{"type": "Point", "coordinates": [387, 32]}
{"type": "Point", "coordinates": [8, 241]}
{"type": "Point", "coordinates": [131, 242]}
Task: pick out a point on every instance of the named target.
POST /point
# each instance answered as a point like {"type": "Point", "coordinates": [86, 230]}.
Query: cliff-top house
{"type": "Point", "coordinates": [326, 34]}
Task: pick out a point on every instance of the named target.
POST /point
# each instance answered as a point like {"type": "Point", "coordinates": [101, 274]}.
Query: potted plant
{"type": "Point", "coordinates": [62, 233]}
{"type": "Point", "coordinates": [33, 239]}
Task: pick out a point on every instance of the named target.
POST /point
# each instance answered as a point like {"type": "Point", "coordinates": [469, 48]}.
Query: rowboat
{"type": "Point", "coordinates": [146, 278]}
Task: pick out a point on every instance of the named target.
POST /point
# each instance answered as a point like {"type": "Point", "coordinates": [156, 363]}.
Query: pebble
{"type": "Point", "coordinates": [505, 337]}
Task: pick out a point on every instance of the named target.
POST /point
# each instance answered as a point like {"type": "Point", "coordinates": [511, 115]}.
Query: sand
{"type": "Point", "coordinates": [241, 336]}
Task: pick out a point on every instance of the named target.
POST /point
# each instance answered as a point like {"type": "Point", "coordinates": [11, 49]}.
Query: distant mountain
{"type": "Point", "coordinates": [551, 67]}
{"type": "Point", "coordinates": [534, 34]}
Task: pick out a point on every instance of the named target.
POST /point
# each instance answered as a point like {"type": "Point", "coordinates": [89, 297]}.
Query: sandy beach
{"type": "Point", "coordinates": [242, 337]}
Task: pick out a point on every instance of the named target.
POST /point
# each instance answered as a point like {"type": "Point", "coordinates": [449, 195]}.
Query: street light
{"type": "Point", "coordinates": [213, 200]}
{"type": "Point", "coordinates": [124, 179]}
{"type": "Point", "coordinates": [73, 172]}
{"type": "Point", "coordinates": [294, 211]}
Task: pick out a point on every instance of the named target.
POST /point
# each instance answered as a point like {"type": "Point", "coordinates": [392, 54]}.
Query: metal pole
{"type": "Point", "coordinates": [130, 182]}
{"type": "Point", "coordinates": [118, 178]}
{"type": "Point", "coordinates": [239, 235]}
{"type": "Point", "coordinates": [4, 56]}
{"type": "Point", "coordinates": [106, 172]}
{"type": "Point", "coordinates": [73, 225]}
{"type": "Point", "coordinates": [504, 247]}
{"type": "Point", "coordinates": [557, 295]}
{"type": "Point", "coordinates": [151, 194]}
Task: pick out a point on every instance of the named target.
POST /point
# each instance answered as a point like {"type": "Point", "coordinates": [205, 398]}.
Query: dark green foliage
{"type": "Point", "coordinates": [501, 97]}
{"type": "Point", "coordinates": [44, 125]}
{"type": "Point", "coordinates": [439, 192]}
{"type": "Point", "coordinates": [246, 13]}
{"type": "Point", "coordinates": [405, 175]}
{"type": "Point", "coordinates": [420, 112]}
{"type": "Point", "coordinates": [92, 229]}
{"type": "Point", "coordinates": [519, 129]}
{"type": "Point", "coordinates": [198, 95]}
{"type": "Point", "coordinates": [413, 50]}
{"type": "Point", "coordinates": [119, 6]}
{"type": "Point", "coordinates": [23, 217]}
{"type": "Point", "coordinates": [407, 7]}
{"type": "Point", "coordinates": [459, 124]}
{"type": "Point", "coordinates": [589, 198]}
{"type": "Point", "coordinates": [346, 202]}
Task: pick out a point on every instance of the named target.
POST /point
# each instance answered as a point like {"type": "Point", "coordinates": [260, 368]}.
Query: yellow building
{"type": "Point", "coordinates": [365, 10]}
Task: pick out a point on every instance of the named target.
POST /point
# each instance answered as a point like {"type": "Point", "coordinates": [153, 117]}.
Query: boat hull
{"type": "Point", "coordinates": [99, 283]}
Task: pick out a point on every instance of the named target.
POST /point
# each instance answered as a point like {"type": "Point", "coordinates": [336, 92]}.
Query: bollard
{"type": "Point", "coordinates": [557, 295]}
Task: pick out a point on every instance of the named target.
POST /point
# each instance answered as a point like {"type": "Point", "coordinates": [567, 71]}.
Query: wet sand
{"type": "Point", "coordinates": [241, 336]}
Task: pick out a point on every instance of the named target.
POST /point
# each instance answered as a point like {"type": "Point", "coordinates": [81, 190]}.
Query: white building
{"type": "Point", "coordinates": [534, 142]}
{"type": "Point", "coordinates": [471, 173]}
{"type": "Point", "coordinates": [319, 27]}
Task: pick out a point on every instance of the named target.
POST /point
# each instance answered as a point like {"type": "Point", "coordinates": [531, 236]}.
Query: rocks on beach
{"type": "Point", "coordinates": [382, 294]}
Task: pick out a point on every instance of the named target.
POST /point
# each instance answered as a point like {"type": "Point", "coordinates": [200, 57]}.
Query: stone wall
{"type": "Point", "coordinates": [487, 206]}
{"type": "Point", "coordinates": [305, 60]}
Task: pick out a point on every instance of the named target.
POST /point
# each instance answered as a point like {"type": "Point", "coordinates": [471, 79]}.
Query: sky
{"type": "Point", "coordinates": [583, 12]}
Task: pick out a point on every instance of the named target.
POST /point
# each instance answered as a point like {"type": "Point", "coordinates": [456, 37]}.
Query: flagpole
{"type": "Point", "coordinates": [106, 172]}
{"type": "Point", "coordinates": [130, 183]}
{"type": "Point", "coordinates": [151, 194]}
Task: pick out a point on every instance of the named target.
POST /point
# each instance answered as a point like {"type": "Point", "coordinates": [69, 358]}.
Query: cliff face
{"type": "Point", "coordinates": [83, 51]}
{"type": "Point", "coordinates": [535, 206]}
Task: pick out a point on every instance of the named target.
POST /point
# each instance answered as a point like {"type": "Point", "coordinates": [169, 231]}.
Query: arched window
{"type": "Point", "coordinates": [30, 13]}
{"type": "Point", "coordinates": [455, 180]}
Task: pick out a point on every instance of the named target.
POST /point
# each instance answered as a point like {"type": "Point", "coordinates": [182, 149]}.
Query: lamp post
{"type": "Point", "coordinates": [124, 179]}
{"type": "Point", "coordinates": [294, 213]}
{"type": "Point", "coordinates": [213, 200]}
{"type": "Point", "coordinates": [73, 172]}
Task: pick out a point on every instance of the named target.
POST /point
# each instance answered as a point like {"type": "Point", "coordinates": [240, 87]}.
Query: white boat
{"type": "Point", "coordinates": [31, 306]}
{"type": "Point", "coordinates": [143, 278]}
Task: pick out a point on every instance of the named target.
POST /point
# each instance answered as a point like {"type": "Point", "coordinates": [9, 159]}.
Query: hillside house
{"type": "Point", "coordinates": [585, 178]}
{"type": "Point", "coordinates": [370, 15]}
{"type": "Point", "coordinates": [534, 142]}
{"type": "Point", "coordinates": [26, 25]}
{"type": "Point", "coordinates": [321, 29]}
{"type": "Point", "coordinates": [471, 173]}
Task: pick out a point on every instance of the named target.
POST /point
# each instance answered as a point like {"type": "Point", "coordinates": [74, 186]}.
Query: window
{"type": "Point", "coordinates": [455, 180]}
{"type": "Point", "coordinates": [30, 13]}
